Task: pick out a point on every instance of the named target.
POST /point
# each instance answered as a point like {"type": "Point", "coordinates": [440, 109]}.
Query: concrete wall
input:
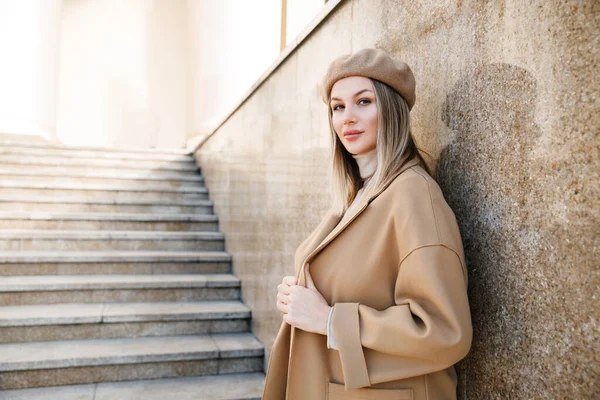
{"type": "Point", "coordinates": [507, 104]}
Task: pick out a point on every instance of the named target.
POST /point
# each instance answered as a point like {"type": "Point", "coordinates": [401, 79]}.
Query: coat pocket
{"type": "Point", "coordinates": [336, 391]}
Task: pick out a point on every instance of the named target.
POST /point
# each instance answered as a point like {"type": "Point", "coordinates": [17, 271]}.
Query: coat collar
{"type": "Point", "coordinates": [331, 228]}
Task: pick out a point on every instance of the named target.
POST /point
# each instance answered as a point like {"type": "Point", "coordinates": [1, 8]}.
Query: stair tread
{"type": "Point", "coordinates": [76, 353]}
{"type": "Point", "coordinates": [91, 155]}
{"type": "Point", "coordinates": [55, 199]}
{"type": "Point", "coordinates": [80, 313]}
{"type": "Point", "coordinates": [78, 216]}
{"type": "Point", "coordinates": [9, 143]}
{"type": "Point", "coordinates": [106, 155]}
{"type": "Point", "coordinates": [113, 256]}
{"type": "Point", "coordinates": [114, 281]}
{"type": "Point", "coordinates": [141, 177]}
{"type": "Point", "coordinates": [100, 175]}
{"type": "Point", "coordinates": [109, 187]}
{"type": "Point", "coordinates": [107, 234]}
{"type": "Point", "coordinates": [246, 386]}
{"type": "Point", "coordinates": [59, 161]}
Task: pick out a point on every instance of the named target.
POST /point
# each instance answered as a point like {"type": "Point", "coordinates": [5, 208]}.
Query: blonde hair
{"type": "Point", "coordinates": [395, 146]}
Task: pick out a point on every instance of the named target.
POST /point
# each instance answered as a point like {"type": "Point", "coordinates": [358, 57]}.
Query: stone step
{"type": "Point", "coordinates": [80, 185]}
{"type": "Point", "coordinates": [34, 323]}
{"type": "Point", "coordinates": [22, 139]}
{"type": "Point", "coordinates": [115, 194]}
{"type": "Point", "coordinates": [55, 146]}
{"type": "Point", "coordinates": [54, 289]}
{"type": "Point", "coordinates": [25, 171]}
{"type": "Point", "coordinates": [26, 263]}
{"type": "Point", "coordinates": [40, 179]}
{"type": "Point", "coordinates": [154, 165]}
{"type": "Point", "coordinates": [102, 205]}
{"type": "Point", "coordinates": [74, 240]}
{"type": "Point", "coordinates": [94, 170]}
{"type": "Point", "coordinates": [246, 386]}
{"type": "Point", "coordinates": [71, 362]}
{"type": "Point", "coordinates": [72, 152]}
{"type": "Point", "coordinates": [108, 221]}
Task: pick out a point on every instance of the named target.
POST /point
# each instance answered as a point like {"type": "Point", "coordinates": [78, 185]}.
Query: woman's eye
{"type": "Point", "coordinates": [367, 101]}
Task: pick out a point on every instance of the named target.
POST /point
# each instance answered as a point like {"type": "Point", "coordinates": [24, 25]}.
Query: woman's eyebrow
{"type": "Point", "coordinates": [355, 94]}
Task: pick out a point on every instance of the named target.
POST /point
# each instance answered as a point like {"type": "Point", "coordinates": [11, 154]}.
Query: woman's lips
{"type": "Point", "coordinates": [352, 135]}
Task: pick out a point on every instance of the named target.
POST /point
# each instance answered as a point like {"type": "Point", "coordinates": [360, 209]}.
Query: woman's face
{"type": "Point", "coordinates": [354, 113]}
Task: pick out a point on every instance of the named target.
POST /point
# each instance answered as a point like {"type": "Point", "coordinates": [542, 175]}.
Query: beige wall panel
{"type": "Point", "coordinates": [230, 44]}
{"type": "Point", "coordinates": [29, 36]}
{"type": "Point", "coordinates": [123, 73]}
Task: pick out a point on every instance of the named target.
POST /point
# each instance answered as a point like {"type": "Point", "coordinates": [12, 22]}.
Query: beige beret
{"type": "Point", "coordinates": [371, 63]}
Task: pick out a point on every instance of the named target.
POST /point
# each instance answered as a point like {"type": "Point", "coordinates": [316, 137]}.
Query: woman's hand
{"type": "Point", "coordinates": [303, 307]}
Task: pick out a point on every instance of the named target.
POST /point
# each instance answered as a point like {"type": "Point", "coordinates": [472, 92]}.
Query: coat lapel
{"type": "Point", "coordinates": [329, 229]}
{"type": "Point", "coordinates": [330, 221]}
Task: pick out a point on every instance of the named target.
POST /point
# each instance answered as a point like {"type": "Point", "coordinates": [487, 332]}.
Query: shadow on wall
{"type": "Point", "coordinates": [485, 173]}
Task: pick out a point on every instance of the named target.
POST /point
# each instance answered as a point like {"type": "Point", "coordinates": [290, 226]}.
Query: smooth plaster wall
{"type": "Point", "coordinates": [507, 105]}
{"type": "Point", "coordinates": [123, 73]}
{"type": "Point", "coordinates": [231, 43]}
{"type": "Point", "coordinates": [140, 73]}
{"type": "Point", "coordinates": [29, 36]}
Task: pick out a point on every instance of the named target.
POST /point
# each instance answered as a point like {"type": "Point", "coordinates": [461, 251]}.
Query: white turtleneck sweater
{"type": "Point", "coordinates": [367, 164]}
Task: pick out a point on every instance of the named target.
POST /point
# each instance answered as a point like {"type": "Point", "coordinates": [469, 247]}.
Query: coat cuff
{"type": "Point", "coordinates": [331, 343]}
{"type": "Point", "coordinates": [346, 328]}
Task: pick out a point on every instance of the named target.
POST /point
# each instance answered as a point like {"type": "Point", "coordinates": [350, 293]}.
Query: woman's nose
{"type": "Point", "coordinates": [348, 116]}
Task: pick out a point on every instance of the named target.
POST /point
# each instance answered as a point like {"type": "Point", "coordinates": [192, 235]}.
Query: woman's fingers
{"type": "Point", "coordinates": [306, 309]}
{"type": "Point", "coordinates": [283, 298]}
{"type": "Point", "coordinates": [282, 302]}
{"type": "Point", "coordinates": [284, 290]}
{"type": "Point", "coordinates": [290, 280]}
{"type": "Point", "coordinates": [281, 306]}
{"type": "Point", "coordinates": [286, 284]}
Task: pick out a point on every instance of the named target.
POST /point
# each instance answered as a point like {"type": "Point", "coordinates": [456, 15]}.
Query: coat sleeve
{"type": "Point", "coordinates": [428, 329]}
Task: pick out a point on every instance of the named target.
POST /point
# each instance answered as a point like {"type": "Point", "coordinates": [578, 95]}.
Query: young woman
{"type": "Point", "coordinates": [378, 307]}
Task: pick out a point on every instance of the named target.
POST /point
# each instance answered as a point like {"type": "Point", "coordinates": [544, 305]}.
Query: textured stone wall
{"type": "Point", "coordinates": [508, 108]}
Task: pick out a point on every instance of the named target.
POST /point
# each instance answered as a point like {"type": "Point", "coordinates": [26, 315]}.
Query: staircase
{"type": "Point", "coordinates": [114, 280]}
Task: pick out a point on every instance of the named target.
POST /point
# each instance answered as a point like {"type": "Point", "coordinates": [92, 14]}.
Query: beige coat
{"type": "Point", "coordinates": [395, 272]}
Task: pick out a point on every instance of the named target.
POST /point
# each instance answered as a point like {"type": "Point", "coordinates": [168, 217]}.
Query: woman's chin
{"type": "Point", "coordinates": [354, 149]}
